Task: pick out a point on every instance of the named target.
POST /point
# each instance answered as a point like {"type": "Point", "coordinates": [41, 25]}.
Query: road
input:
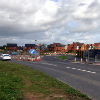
{"type": "Point", "coordinates": [83, 77]}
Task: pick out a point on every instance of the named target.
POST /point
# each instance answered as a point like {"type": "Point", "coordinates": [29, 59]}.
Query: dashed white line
{"type": "Point", "coordinates": [88, 71]}
{"type": "Point", "coordinates": [82, 70]}
{"type": "Point", "coordinates": [67, 67]}
{"type": "Point", "coordinates": [73, 68]}
{"type": "Point", "coordinates": [49, 64]}
{"type": "Point", "coordinates": [93, 72]}
{"type": "Point", "coordinates": [79, 69]}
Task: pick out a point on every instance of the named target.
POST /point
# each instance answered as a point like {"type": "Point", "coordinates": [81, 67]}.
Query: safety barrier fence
{"type": "Point", "coordinates": [26, 58]}
{"type": "Point", "coordinates": [58, 53]}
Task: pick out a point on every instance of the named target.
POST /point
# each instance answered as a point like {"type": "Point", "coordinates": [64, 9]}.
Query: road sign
{"type": "Point", "coordinates": [32, 51]}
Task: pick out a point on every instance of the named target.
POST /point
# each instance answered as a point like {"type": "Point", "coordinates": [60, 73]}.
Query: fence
{"type": "Point", "coordinates": [97, 58]}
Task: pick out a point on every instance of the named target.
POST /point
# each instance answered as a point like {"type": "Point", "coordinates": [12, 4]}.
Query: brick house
{"type": "Point", "coordinates": [56, 47]}
{"type": "Point", "coordinates": [96, 46]}
{"type": "Point", "coordinates": [11, 46]}
{"type": "Point", "coordinates": [89, 46]}
{"type": "Point", "coordinates": [83, 47]}
{"type": "Point", "coordinates": [75, 46]}
{"type": "Point", "coordinates": [29, 46]}
{"type": "Point", "coordinates": [69, 47]}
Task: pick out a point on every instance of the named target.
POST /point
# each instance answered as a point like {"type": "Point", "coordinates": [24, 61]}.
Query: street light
{"type": "Point", "coordinates": [88, 52]}
{"type": "Point", "coordinates": [35, 49]}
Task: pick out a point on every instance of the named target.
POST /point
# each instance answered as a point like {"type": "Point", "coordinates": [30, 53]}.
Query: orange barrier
{"type": "Point", "coordinates": [38, 58]}
{"type": "Point", "coordinates": [26, 58]}
{"type": "Point", "coordinates": [20, 58]}
{"type": "Point", "coordinates": [16, 58]}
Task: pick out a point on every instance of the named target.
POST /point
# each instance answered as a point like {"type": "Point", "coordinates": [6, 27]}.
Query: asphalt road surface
{"type": "Point", "coordinates": [83, 77]}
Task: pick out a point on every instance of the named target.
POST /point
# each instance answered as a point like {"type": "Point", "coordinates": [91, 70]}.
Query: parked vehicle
{"type": "Point", "coordinates": [5, 57]}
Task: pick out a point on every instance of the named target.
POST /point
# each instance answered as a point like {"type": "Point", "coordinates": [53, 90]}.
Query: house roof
{"type": "Point", "coordinates": [78, 43]}
{"type": "Point", "coordinates": [30, 45]}
{"type": "Point", "coordinates": [96, 44]}
{"type": "Point", "coordinates": [56, 44]}
{"type": "Point", "coordinates": [63, 45]}
{"type": "Point", "coordinates": [11, 45]}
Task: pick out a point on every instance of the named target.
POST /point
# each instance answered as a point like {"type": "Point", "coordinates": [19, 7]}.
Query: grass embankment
{"type": "Point", "coordinates": [63, 57]}
{"type": "Point", "coordinates": [18, 82]}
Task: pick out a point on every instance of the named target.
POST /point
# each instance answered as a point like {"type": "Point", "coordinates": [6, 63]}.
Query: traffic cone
{"type": "Point", "coordinates": [81, 60]}
{"type": "Point", "coordinates": [87, 61]}
{"type": "Point", "coordinates": [75, 59]}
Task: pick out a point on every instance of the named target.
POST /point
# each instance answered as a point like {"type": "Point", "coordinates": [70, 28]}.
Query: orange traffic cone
{"type": "Point", "coordinates": [81, 60]}
{"type": "Point", "coordinates": [87, 60]}
{"type": "Point", "coordinates": [75, 59]}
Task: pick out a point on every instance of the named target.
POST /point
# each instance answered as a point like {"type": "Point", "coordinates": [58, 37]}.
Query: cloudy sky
{"type": "Point", "coordinates": [48, 21]}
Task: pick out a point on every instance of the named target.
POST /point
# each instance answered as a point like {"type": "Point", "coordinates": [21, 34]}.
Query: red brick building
{"type": "Point", "coordinates": [56, 47]}
{"type": "Point", "coordinates": [96, 46]}
{"type": "Point", "coordinates": [29, 46]}
{"type": "Point", "coordinates": [11, 46]}
{"type": "Point", "coordinates": [75, 46]}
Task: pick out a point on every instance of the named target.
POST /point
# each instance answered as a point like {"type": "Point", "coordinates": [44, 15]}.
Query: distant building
{"type": "Point", "coordinates": [20, 48]}
{"type": "Point", "coordinates": [75, 46]}
{"type": "Point", "coordinates": [97, 46]}
{"type": "Point", "coordinates": [29, 46]}
{"type": "Point", "coordinates": [12, 46]}
{"type": "Point", "coordinates": [56, 47]}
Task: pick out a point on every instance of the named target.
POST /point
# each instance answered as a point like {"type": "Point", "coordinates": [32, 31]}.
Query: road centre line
{"type": "Point", "coordinates": [67, 67]}
{"type": "Point", "coordinates": [89, 71]}
{"type": "Point", "coordinates": [93, 72]}
{"type": "Point", "coordinates": [81, 70]}
{"type": "Point", "coordinates": [49, 64]}
{"type": "Point", "coordinates": [73, 68]}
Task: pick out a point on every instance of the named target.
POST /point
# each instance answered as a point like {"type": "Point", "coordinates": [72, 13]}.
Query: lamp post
{"type": "Point", "coordinates": [88, 52]}
{"type": "Point", "coordinates": [35, 48]}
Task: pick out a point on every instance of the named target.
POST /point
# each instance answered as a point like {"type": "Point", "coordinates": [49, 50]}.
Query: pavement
{"type": "Point", "coordinates": [78, 60]}
{"type": "Point", "coordinates": [96, 63]}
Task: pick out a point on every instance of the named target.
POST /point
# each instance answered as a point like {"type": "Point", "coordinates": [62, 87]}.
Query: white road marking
{"type": "Point", "coordinates": [93, 72]}
{"type": "Point", "coordinates": [67, 67]}
{"type": "Point", "coordinates": [82, 70]}
{"type": "Point", "coordinates": [73, 68]}
{"type": "Point", "coordinates": [88, 71]}
{"type": "Point", "coordinates": [49, 64]}
{"type": "Point", "coordinates": [79, 69]}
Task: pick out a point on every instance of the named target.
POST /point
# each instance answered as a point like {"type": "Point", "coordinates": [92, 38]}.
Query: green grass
{"type": "Point", "coordinates": [18, 82]}
{"type": "Point", "coordinates": [63, 57]}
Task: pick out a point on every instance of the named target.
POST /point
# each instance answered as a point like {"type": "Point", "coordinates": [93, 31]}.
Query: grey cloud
{"type": "Point", "coordinates": [81, 4]}
{"type": "Point", "coordinates": [26, 20]}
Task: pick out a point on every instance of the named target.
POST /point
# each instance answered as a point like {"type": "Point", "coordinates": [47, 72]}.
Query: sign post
{"type": "Point", "coordinates": [33, 51]}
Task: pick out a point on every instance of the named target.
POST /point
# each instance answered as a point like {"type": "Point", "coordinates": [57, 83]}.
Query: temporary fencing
{"type": "Point", "coordinates": [26, 58]}
{"type": "Point", "coordinates": [38, 58]}
{"type": "Point", "coordinates": [58, 53]}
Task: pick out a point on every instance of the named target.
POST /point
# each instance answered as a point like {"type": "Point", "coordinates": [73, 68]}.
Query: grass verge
{"type": "Point", "coordinates": [18, 82]}
{"type": "Point", "coordinates": [63, 57]}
